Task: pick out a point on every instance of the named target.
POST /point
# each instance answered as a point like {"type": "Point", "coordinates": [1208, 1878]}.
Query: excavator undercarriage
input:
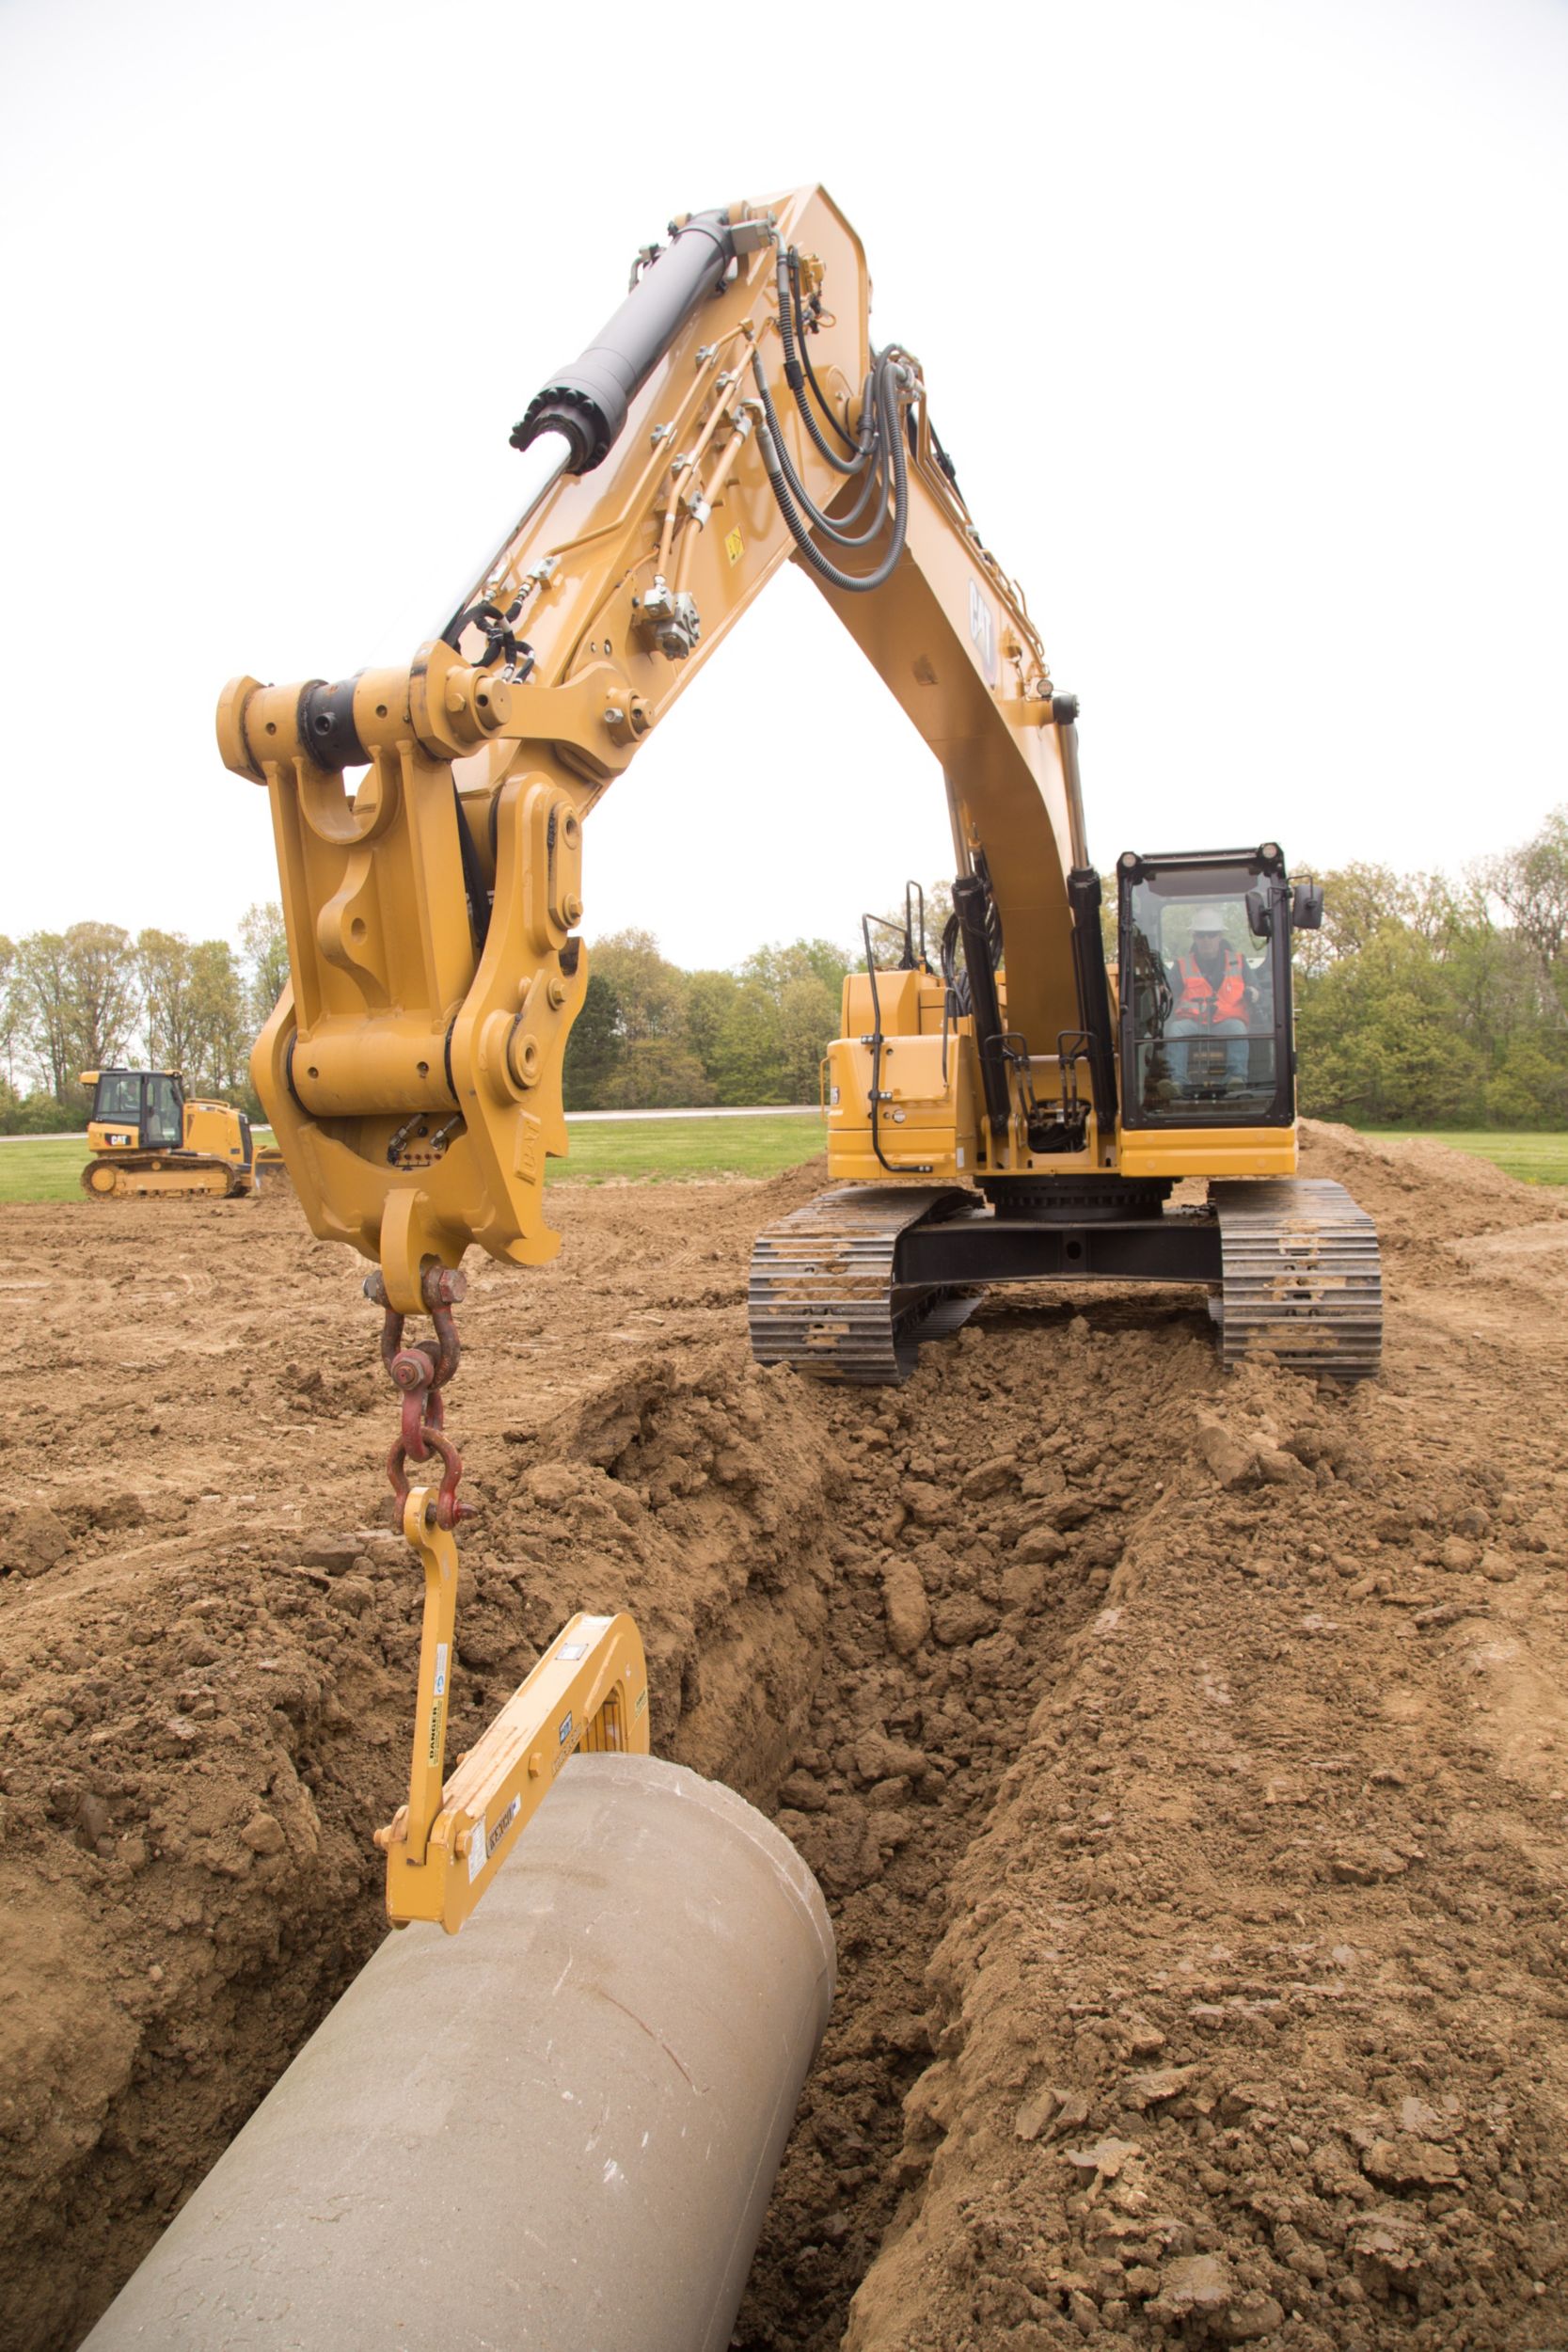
{"type": "Point", "coordinates": [848, 1287]}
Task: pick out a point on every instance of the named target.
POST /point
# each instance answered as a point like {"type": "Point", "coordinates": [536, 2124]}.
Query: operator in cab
{"type": "Point", "coordinates": [1211, 985]}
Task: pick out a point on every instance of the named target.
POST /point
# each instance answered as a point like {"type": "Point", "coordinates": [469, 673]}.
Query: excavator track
{"type": "Point", "coordinates": [1303, 1280]}
{"type": "Point", "coordinates": [823, 1295]}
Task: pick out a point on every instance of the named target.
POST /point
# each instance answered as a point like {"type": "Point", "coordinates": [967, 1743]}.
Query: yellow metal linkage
{"type": "Point", "coordinates": [589, 1689]}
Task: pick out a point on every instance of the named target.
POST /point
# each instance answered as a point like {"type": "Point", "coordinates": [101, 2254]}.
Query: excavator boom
{"type": "Point", "coordinates": [412, 1071]}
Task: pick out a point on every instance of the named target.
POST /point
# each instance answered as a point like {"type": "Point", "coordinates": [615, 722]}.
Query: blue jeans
{"type": "Point", "coordinates": [1234, 1033]}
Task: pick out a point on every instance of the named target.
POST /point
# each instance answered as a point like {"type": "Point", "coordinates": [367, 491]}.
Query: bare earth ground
{"type": "Point", "coordinates": [1187, 1758]}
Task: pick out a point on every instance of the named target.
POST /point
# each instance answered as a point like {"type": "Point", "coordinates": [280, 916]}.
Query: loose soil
{"type": "Point", "coordinates": [1186, 1757]}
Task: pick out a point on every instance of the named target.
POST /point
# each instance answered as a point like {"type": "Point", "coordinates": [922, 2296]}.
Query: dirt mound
{"type": "Point", "coordinates": [1424, 1194]}
{"type": "Point", "coordinates": [1185, 1758]}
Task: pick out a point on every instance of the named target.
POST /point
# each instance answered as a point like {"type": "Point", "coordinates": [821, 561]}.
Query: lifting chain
{"type": "Point", "coordinates": [420, 1373]}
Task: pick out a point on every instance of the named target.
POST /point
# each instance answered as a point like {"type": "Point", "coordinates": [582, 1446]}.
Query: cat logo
{"type": "Point", "coordinates": [982, 630]}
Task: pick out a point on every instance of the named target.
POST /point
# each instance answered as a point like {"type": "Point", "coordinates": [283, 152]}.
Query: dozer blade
{"type": "Point", "coordinates": [1303, 1279]}
{"type": "Point", "coordinates": [823, 1295]}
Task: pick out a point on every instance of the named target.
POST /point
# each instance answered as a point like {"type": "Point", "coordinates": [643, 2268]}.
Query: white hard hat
{"type": "Point", "coordinates": [1207, 919]}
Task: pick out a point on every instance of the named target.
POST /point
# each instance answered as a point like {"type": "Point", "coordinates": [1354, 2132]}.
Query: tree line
{"type": "Point", "coordinates": [1423, 1001]}
{"type": "Point", "coordinates": [95, 996]}
{"type": "Point", "coordinates": [1427, 1002]}
{"type": "Point", "coordinates": [650, 1036]}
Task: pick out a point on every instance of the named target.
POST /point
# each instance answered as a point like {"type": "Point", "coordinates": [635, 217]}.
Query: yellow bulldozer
{"type": "Point", "coordinates": [149, 1139]}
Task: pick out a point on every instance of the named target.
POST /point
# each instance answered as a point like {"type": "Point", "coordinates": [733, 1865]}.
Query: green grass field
{"type": "Point", "coordinates": [646, 1150]}
{"type": "Point", "coordinates": [664, 1151]}
{"type": "Point", "coordinates": [1537, 1159]}
{"type": "Point", "coordinates": [34, 1168]}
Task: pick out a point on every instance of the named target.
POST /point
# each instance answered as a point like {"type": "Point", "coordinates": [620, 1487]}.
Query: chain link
{"type": "Point", "coordinates": [420, 1372]}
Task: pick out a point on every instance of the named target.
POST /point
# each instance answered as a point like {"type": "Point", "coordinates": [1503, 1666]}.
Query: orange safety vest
{"type": "Point", "coordinates": [1199, 1002]}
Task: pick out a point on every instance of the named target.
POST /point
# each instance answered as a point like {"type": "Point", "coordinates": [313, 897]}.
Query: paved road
{"type": "Point", "coordinates": [574, 1118]}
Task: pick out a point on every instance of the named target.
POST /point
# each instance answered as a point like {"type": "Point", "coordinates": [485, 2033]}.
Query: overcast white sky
{"type": "Point", "coordinates": [1245, 324]}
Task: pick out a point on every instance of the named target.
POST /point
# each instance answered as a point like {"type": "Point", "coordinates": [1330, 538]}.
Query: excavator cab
{"type": "Point", "coordinates": [1205, 987]}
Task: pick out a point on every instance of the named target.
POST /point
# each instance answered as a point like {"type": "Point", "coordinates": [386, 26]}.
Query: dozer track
{"type": "Point", "coordinates": [143, 1175]}
{"type": "Point", "coordinates": [1303, 1280]}
{"type": "Point", "coordinates": [822, 1295]}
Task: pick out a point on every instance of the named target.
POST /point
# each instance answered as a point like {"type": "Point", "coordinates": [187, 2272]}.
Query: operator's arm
{"type": "Point", "coordinates": [729, 416]}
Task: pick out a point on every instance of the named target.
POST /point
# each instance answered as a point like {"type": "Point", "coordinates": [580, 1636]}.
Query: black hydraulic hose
{"type": "Point", "coordinates": [823, 566]}
{"type": "Point", "coordinates": [805, 356]}
{"type": "Point", "coordinates": [789, 318]}
{"type": "Point", "coordinates": [474, 886]}
{"type": "Point", "coordinates": [922, 1167]}
{"type": "Point", "coordinates": [970, 895]}
{"type": "Point", "coordinates": [1094, 993]}
{"type": "Point", "coordinates": [877, 479]}
{"type": "Point", "coordinates": [956, 980]}
{"type": "Point", "coordinates": [875, 484]}
{"type": "Point", "coordinates": [855, 583]}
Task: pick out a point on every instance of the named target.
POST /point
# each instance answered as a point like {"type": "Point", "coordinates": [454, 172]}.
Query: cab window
{"type": "Point", "coordinates": [119, 1098]}
{"type": "Point", "coordinates": [163, 1123]}
{"type": "Point", "coordinates": [1205, 1032]}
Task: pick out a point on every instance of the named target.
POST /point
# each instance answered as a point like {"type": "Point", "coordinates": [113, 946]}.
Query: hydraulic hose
{"type": "Point", "coordinates": [875, 479]}
{"type": "Point", "coordinates": [794, 374]}
{"type": "Point", "coordinates": [782, 478]}
{"type": "Point", "coordinates": [549, 456]}
{"type": "Point", "coordinates": [823, 402]}
{"type": "Point", "coordinates": [954, 976]}
{"type": "Point", "coordinates": [970, 898]}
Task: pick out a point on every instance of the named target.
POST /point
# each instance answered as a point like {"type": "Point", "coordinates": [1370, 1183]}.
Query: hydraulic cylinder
{"type": "Point", "coordinates": [558, 2130]}
{"type": "Point", "coordinates": [588, 401]}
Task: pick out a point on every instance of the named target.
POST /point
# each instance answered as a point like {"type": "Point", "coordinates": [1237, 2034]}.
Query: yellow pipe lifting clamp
{"type": "Point", "coordinates": [589, 1690]}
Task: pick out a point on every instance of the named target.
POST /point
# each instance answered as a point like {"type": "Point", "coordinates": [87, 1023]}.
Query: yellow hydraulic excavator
{"type": "Point", "coordinates": [1001, 1108]}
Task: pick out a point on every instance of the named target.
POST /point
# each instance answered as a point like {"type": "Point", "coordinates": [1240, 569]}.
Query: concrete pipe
{"type": "Point", "coordinates": [558, 2130]}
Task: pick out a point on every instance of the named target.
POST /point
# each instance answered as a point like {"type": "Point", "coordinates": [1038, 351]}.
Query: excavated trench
{"type": "Point", "coordinates": [1184, 1761]}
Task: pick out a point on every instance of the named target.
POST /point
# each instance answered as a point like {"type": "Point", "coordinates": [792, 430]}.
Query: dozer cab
{"type": "Point", "coordinates": [147, 1139]}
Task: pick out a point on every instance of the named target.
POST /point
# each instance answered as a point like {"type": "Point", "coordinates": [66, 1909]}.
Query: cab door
{"type": "Point", "coordinates": [1206, 1033]}
{"type": "Point", "coordinates": [162, 1113]}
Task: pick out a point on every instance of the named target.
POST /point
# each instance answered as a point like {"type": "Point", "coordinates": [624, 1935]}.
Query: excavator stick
{"type": "Point", "coordinates": [589, 1690]}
